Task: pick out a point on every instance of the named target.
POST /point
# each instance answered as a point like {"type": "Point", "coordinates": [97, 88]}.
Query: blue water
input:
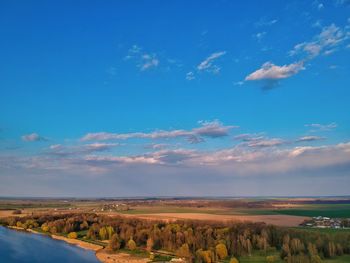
{"type": "Point", "coordinates": [16, 246]}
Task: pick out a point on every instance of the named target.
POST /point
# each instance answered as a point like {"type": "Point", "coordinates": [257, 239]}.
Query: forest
{"type": "Point", "coordinates": [196, 241]}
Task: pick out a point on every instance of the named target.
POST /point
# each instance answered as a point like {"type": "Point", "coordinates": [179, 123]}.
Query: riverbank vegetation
{"type": "Point", "coordinates": [196, 241]}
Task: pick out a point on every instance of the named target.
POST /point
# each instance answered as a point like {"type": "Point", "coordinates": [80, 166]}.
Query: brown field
{"type": "Point", "coordinates": [278, 220]}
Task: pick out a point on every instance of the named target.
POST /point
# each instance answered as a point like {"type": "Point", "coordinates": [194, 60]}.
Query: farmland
{"type": "Point", "coordinates": [278, 211]}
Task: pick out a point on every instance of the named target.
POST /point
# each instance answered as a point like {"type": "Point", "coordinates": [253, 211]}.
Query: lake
{"type": "Point", "coordinates": [17, 246]}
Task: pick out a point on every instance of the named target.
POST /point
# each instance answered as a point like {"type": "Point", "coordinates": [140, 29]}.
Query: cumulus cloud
{"type": "Point", "coordinates": [325, 43]}
{"type": "Point", "coordinates": [270, 71]}
{"type": "Point", "coordinates": [208, 63]}
{"type": "Point", "coordinates": [213, 129]}
{"type": "Point", "coordinates": [33, 137]}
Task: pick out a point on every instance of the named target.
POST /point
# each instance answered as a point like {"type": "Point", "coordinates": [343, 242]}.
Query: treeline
{"type": "Point", "coordinates": [197, 241]}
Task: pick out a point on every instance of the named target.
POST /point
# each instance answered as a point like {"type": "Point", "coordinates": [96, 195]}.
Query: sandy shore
{"type": "Point", "coordinates": [107, 257]}
{"type": "Point", "coordinates": [79, 243]}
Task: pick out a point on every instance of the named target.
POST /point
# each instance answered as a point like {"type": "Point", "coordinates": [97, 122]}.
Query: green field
{"type": "Point", "coordinates": [259, 259]}
{"type": "Point", "coordinates": [342, 259]}
{"type": "Point", "coordinates": [331, 210]}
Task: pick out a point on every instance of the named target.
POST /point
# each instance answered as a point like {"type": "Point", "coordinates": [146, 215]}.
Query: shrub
{"type": "Point", "coordinates": [45, 228]}
{"type": "Point", "coordinates": [271, 259]}
{"type": "Point", "coordinates": [73, 235]}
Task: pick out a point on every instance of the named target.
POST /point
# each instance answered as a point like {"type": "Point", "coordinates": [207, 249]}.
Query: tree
{"type": "Point", "coordinates": [221, 251]}
{"type": "Point", "coordinates": [114, 243]}
{"type": "Point", "coordinates": [45, 228]}
{"type": "Point", "coordinates": [204, 255]}
{"type": "Point", "coordinates": [72, 235]}
{"type": "Point", "coordinates": [110, 232]}
{"type": "Point", "coordinates": [184, 251]}
{"type": "Point", "coordinates": [150, 244]}
{"type": "Point", "coordinates": [131, 244]}
{"type": "Point", "coordinates": [103, 233]}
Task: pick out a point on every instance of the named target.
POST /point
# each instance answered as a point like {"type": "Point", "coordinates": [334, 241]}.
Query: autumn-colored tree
{"type": "Point", "coordinates": [150, 244]}
{"type": "Point", "coordinates": [204, 255]}
{"type": "Point", "coordinates": [184, 251]}
{"type": "Point", "coordinates": [84, 225]}
{"type": "Point", "coordinates": [296, 246]}
{"type": "Point", "coordinates": [114, 242]}
{"type": "Point", "coordinates": [91, 234]}
{"type": "Point", "coordinates": [131, 244]}
{"type": "Point", "coordinates": [110, 232]}
{"type": "Point", "coordinates": [53, 230]}
{"type": "Point", "coordinates": [221, 251]}
{"type": "Point", "coordinates": [45, 228]}
{"type": "Point", "coordinates": [103, 233]}
{"type": "Point", "coordinates": [72, 235]}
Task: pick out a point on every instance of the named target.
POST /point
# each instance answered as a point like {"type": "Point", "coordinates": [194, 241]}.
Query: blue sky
{"type": "Point", "coordinates": [123, 98]}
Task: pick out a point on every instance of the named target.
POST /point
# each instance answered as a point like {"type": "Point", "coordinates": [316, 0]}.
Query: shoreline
{"type": "Point", "coordinates": [100, 253]}
{"type": "Point", "coordinates": [75, 242]}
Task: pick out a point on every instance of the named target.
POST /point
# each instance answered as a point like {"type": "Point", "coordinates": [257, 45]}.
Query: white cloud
{"type": "Point", "coordinates": [144, 61]}
{"type": "Point", "coordinates": [238, 83]}
{"type": "Point", "coordinates": [208, 63]}
{"type": "Point", "coordinates": [318, 5]}
{"type": "Point", "coordinates": [264, 22]}
{"type": "Point", "coordinates": [148, 62]}
{"type": "Point", "coordinates": [212, 129]}
{"type": "Point", "coordinates": [190, 75]}
{"type": "Point", "coordinates": [329, 38]}
{"type": "Point", "coordinates": [231, 162]}
{"type": "Point", "coordinates": [326, 43]}
{"type": "Point", "coordinates": [272, 71]}
{"type": "Point", "coordinates": [61, 150]}
{"type": "Point", "coordinates": [33, 137]}
{"type": "Point", "coordinates": [322, 127]}
{"type": "Point", "coordinates": [266, 142]}
{"type": "Point", "coordinates": [310, 138]}
{"type": "Point", "coordinates": [259, 36]}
